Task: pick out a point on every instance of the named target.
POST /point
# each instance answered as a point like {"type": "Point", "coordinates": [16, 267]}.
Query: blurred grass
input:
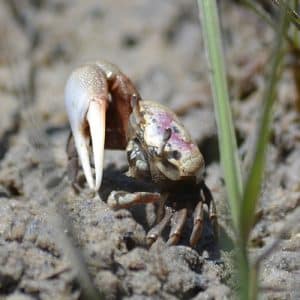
{"type": "Point", "coordinates": [255, 176]}
{"type": "Point", "coordinates": [242, 204]}
{"type": "Point", "coordinates": [257, 8]}
{"type": "Point", "coordinates": [292, 35]}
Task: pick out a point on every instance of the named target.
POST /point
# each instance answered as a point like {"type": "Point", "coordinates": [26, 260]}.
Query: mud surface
{"type": "Point", "coordinates": [158, 44]}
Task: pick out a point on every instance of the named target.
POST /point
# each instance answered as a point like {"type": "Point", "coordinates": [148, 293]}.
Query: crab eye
{"type": "Point", "coordinates": [176, 154]}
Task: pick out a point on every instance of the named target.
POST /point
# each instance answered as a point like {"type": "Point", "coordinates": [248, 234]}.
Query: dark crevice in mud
{"type": "Point", "coordinates": [52, 130]}
{"type": "Point", "coordinates": [209, 148]}
{"type": "Point", "coordinates": [8, 284]}
{"type": "Point", "coordinates": [130, 41]}
{"type": "Point", "coordinates": [129, 241]}
{"type": "Point", "coordinates": [240, 137]}
{"type": "Point", "coordinates": [201, 287]}
{"type": "Point", "coordinates": [10, 190]}
{"type": "Point", "coordinates": [8, 134]}
{"type": "Point", "coordinates": [283, 152]}
{"type": "Point", "coordinates": [193, 293]}
{"type": "Point", "coordinates": [284, 146]}
{"type": "Point", "coordinates": [4, 194]}
{"type": "Point", "coordinates": [116, 180]}
{"type": "Point", "coordinates": [247, 90]}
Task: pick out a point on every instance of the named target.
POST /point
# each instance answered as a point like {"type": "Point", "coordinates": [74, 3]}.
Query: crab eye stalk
{"type": "Point", "coordinates": [135, 106]}
{"type": "Point", "coordinates": [162, 162]}
{"type": "Point", "coordinates": [86, 102]}
{"type": "Point", "coordinates": [166, 136]}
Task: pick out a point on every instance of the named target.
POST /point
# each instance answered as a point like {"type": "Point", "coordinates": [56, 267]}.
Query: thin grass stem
{"type": "Point", "coordinates": [255, 176]}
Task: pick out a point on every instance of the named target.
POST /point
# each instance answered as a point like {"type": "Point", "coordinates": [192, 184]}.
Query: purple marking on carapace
{"type": "Point", "coordinates": [166, 120]}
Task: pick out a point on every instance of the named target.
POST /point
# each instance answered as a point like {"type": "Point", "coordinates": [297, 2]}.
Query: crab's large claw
{"type": "Point", "coordinates": [86, 100]}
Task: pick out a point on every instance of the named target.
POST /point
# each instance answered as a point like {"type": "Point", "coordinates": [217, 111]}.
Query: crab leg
{"type": "Point", "coordinates": [123, 199]}
{"type": "Point", "coordinates": [213, 218]}
{"type": "Point", "coordinates": [198, 224]}
{"type": "Point", "coordinates": [212, 211]}
{"type": "Point", "coordinates": [178, 222]}
{"type": "Point", "coordinates": [158, 228]}
{"type": "Point", "coordinates": [86, 100]}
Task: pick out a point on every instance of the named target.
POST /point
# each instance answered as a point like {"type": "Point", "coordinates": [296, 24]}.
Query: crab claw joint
{"type": "Point", "coordinates": [86, 100]}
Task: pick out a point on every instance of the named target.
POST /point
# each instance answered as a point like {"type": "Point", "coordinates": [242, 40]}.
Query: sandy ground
{"type": "Point", "coordinates": [158, 44]}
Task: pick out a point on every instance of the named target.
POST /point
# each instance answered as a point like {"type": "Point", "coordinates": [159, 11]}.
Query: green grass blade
{"type": "Point", "coordinates": [255, 176]}
{"type": "Point", "coordinates": [227, 141]}
{"type": "Point", "coordinates": [291, 13]}
{"type": "Point", "coordinates": [256, 7]}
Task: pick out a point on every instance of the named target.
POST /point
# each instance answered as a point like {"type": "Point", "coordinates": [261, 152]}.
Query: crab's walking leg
{"type": "Point", "coordinates": [123, 199]}
{"type": "Point", "coordinates": [177, 223]}
{"type": "Point", "coordinates": [212, 211]}
{"type": "Point", "coordinates": [198, 224]}
{"type": "Point", "coordinates": [158, 228]}
{"type": "Point", "coordinates": [213, 218]}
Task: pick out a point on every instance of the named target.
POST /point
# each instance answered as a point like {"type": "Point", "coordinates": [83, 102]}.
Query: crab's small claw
{"type": "Point", "coordinates": [86, 100]}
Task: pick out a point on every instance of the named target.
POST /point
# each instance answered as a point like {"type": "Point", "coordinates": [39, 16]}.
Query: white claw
{"type": "Point", "coordinates": [86, 101]}
{"type": "Point", "coordinates": [96, 119]}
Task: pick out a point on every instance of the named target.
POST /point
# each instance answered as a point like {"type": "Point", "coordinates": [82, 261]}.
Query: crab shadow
{"type": "Point", "coordinates": [116, 180]}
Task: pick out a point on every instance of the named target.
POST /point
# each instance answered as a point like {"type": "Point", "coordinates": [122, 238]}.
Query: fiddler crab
{"type": "Point", "coordinates": [105, 110]}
